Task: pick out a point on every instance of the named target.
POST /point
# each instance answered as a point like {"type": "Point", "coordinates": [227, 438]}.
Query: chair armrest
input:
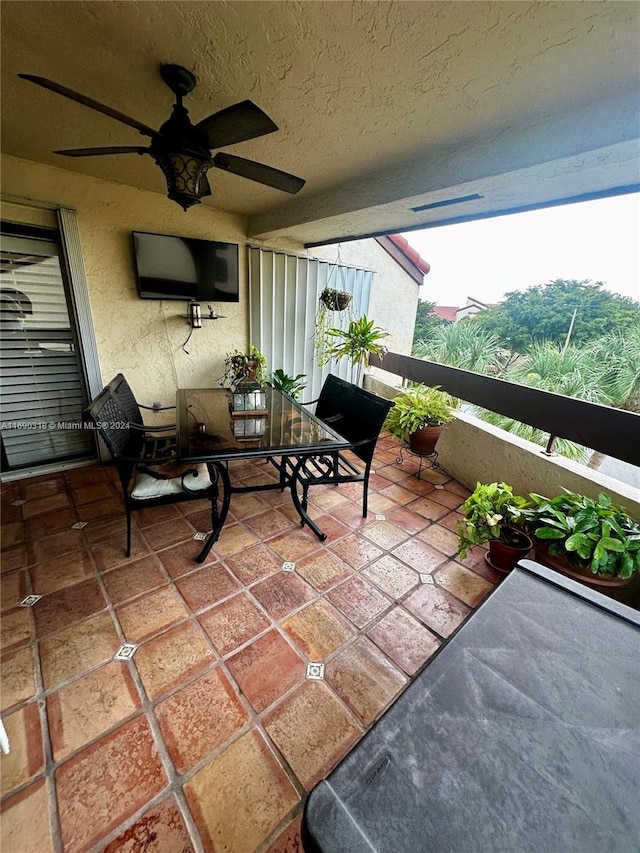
{"type": "Point", "coordinates": [309, 402]}
{"type": "Point", "coordinates": [159, 428]}
{"type": "Point", "coordinates": [156, 408]}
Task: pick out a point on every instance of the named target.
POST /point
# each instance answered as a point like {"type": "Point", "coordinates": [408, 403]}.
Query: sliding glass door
{"type": "Point", "coordinates": [43, 389]}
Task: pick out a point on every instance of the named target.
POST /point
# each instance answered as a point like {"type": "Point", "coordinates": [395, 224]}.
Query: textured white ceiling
{"type": "Point", "coordinates": [382, 106]}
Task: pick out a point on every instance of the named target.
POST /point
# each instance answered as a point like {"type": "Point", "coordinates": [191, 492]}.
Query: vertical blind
{"type": "Point", "coordinates": [42, 394]}
{"type": "Point", "coordinates": [284, 292]}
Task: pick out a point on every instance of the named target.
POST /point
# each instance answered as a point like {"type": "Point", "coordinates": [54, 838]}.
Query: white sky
{"type": "Point", "coordinates": [597, 240]}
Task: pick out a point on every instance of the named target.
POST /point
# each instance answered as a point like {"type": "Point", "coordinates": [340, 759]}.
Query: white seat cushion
{"type": "Point", "coordinates": [147, 487]}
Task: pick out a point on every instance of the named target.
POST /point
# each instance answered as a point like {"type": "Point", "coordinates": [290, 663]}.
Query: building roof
{"type": "Point", "coordinates": [447, 312]}
{"type": "Point", "coordinates": [400, 250]}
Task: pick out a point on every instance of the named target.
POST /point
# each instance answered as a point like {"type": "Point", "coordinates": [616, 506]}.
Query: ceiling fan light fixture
{"type": "Point", "coordinates": [186, 176]}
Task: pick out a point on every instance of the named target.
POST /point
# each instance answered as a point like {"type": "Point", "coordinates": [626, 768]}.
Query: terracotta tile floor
{"type": "Point", "coordinates": [211, 736]}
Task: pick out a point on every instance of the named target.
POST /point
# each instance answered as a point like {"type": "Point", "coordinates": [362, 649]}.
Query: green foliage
{"type": "Point", "coordinates": [289, 384]}
{"type": "Point", "coordinates": [357, 343]}
{"type": "Point", "coordinates": [240, 365]}
{"type": "Point", "coordinates": [489, 512]}
{"type": "Point", "coordinates": [617, 357]}
{"type": "Point", "coordinates": [419, 407]}
{"type": "Point", "coordinates": [464, 345]}
{"type": "Point", "coordinates": [544, 313]}
{"type": "Point", "coordinates": [562, 445]}
{"type": "Point", "coordinates": [426, 322]}
{"type": "Point", "coordinates": [592, 534]}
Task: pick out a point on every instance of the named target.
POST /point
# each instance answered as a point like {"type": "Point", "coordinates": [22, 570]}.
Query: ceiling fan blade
{"type": "Point", "coordinates": [89, 102]}
{"type": "Point", "coordinates": [95, 152]}
{"type": "Point", "coordinates": [258, 172]}
{"type": "Point", "coordinates": [205, 188]}
{"type": "Point", "coordinates": [235, 124]}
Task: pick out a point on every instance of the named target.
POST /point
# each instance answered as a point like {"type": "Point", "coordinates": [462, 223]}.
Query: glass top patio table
{"type": "Point", "coordinates": [208, 431]}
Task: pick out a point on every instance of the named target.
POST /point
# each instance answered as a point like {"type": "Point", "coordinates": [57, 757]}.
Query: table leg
{"type": "Point", "coordinates": [217, 473]}
{"type": "Point", "coordinates": [300, 508]}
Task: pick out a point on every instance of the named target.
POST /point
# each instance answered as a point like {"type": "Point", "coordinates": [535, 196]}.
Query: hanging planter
{"type": "Point", "coordinates": [335, 300]}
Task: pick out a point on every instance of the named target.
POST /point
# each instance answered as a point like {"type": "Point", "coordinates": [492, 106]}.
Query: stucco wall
{"type": "Point", "coordinates": [144, 338]}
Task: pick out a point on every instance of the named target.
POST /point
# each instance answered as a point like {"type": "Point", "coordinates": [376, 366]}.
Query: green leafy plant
{"type": "Point", "coordinates": [419, 407]}
{"type": "Point", "coordinates": [592, 534]}
{"type": "Point", "coordinates": [357, 343]}
{"type": "Point", "coordinates": [239, 366]}
{"type": "Point", "coordinates": [490, 512]}
{"type": "Point", "coordinates": [289, 384]}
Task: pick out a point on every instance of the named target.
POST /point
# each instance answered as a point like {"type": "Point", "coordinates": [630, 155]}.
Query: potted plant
{"type": "Point", "coordinates": [335, 300]}
{"type": "Point", "coordinates": [357, 343]}
{"type": "Point", "coordinates": [289, 384]}
{"type": "Point", "coordinates": [491, 514]}
{"type": "Point", "coordinates": [594, 541]}
{"type": "Point", "coordinates": [244, 367]}
{"type": "Point", "coordinates": [418, 415]}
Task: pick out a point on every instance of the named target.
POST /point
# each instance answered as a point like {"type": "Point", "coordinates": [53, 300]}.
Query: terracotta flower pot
{"type": "Point", "coordinates": [560, 563]}
{"type": "Point", "coordinates": [423, 441]}
{"type": "Point", "coordinates": [504, 555]}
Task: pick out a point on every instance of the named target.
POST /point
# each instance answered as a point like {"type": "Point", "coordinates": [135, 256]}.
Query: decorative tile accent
{"type": "Point", "coordinates": [380, 517]}
{"type": "Point", "coordinates": [125, 652]}
{"type": "Point", "coordinates": [266, 669]}
{"type": "Point", "coordinates": [315, 671]}
{"type": "Point", "coordinates": [364, 678]}
{"type": "Point", "coordinates": [79, 525]}
{"type": "Point", "coordinates": [199, 718]}
{"type": "Point", "coordinates": [438, 486]}
{"type": "Point", "coordinates": [240, 797]}
{"type": "Point", "coordinates": [18, 503]}
{"type": "Point", "coordinates": [313, 731]}
{"type": "Point", "coordinates": [288, 567]}
{"type": "Point", "coordinates": [106, 783]}
{"type": "Point", "coordinates": [426, 579]}
{"type": "Point", "coordinates": [30, 600]}
{"type": "Point", "coordinates": [200, 536]}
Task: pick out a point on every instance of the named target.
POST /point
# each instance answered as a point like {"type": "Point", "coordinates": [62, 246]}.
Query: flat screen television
{"type": "Point", "coordinates": [185, 268]}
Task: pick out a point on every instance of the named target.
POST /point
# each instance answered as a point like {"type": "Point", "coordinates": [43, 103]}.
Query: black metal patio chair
{"type": "Point", "coordinates": [159, 438]}
{"type": "Point", "coordinates": [149, 475]}
{"type": "Point", "coordinates": [358, 416]}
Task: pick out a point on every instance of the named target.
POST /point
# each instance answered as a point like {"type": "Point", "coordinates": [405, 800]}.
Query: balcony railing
{"type": "Point", "coordinates": [613, 432]}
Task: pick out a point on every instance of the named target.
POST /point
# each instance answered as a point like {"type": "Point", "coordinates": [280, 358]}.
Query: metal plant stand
{"type": "Point", "coordinates": [429, 460]}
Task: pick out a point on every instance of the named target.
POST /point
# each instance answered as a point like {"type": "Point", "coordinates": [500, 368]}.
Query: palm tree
{"type": "Point", "coordinates": [464, 345]}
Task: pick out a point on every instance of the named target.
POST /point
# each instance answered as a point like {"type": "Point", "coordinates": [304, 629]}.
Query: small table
{"type": "Point", "coordinates": [208, 432]}
{"type": "Point", "coordinates": [520, 736]}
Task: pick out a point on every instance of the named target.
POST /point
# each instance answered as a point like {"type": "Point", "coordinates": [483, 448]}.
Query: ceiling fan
{"type": "Point", "coordinates": [182, 149]}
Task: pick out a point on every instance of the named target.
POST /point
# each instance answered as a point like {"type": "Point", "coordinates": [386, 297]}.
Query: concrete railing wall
{"type": "Point", "coordinates": [472, 451]}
